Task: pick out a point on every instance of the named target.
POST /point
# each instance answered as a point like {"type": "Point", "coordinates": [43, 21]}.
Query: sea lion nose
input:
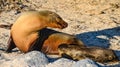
{"type": "Point", "coordinates": [65, 25]}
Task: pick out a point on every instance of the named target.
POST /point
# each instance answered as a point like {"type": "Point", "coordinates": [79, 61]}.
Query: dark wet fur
{"type": "Point", "coordinates": [6, 26]}
{"type": "Point", "coordinates": [93, 53]}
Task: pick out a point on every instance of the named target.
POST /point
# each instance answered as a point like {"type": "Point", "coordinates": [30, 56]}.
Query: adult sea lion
{"type": "Point", "coordinates": [24, 32]}
{"type": "Point", "coordinates": [95, 53]}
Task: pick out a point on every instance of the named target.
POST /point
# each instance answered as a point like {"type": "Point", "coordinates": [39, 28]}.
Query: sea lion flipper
{"type": "Point", "coordinates": [11, 44]}
{"type": "Point", "coordinates": [37, 45]}
{"type": "Point", "coordinates": [6, 26]}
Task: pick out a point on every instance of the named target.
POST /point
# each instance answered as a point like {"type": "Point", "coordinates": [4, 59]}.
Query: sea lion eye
{"type": "Point", "coordinates": [59, 17]}
{"type": "Point", "coordinates": [59, 23]}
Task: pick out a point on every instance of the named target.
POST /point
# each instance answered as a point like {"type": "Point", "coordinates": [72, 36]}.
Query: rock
{"type": "Point", "coordinates": [61, 63]}
{"type": "Point", "coordinates": [85, 63]}
{"type": "Point", "coordinates": [31, 59]}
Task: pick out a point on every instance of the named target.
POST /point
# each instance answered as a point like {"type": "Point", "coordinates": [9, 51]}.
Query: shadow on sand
{"type": "Point", "coordinates": [99, 38]}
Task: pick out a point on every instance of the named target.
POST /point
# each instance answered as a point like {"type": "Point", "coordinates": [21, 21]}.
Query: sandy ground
{"type": "Point", "coordinates": [95, 22]}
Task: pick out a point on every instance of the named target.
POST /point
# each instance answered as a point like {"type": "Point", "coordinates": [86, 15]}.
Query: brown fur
{"type": "Point", "coordinates": [24, 32]}
{"type": "Point", "coordinates": [95, 53]}
{"type": "Point", "coordinates": [51, 43]}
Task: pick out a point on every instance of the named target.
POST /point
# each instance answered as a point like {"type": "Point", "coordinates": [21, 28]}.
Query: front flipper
{"type": "Point", "coordinates": [43, 34]}
{"type": "Point", "coordinates": [37, 45]}
{"type": "Point", "coordinates": [11, 45]}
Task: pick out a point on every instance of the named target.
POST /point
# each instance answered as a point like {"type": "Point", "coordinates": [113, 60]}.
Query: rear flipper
{"type": "Point", "coordinates": [6, 26]}
{"type": "Point", "coordinates": [11, 45]}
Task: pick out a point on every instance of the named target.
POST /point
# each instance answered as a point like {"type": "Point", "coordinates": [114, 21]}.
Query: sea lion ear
{"type": "Point", "coordinates": [51, 13]}
{"type": "Point", "coordinates": [54, 17]}
{"type": "Point", "coordinates": [51, 17]}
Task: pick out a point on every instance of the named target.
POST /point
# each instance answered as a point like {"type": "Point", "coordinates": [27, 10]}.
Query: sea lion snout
{"type": "Point", "coordinates": [64, 24]}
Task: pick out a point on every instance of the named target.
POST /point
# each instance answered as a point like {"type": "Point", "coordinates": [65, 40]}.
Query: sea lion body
{"type": "Point", "coordinates": [95, 53]}
{"type": "Point", "coordinates": [51, 44]}
{"type": "Point", "coordinates": [24, 32]}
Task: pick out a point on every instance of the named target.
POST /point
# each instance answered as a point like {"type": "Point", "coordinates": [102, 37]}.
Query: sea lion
{"type": "Point", "coordinates": [24, 32]}
{"type": "Point", "coordinates": [95, 53]}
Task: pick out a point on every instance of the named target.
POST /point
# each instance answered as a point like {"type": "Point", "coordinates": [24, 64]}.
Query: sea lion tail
{"type": "Point", "coordinates": [6, 26]}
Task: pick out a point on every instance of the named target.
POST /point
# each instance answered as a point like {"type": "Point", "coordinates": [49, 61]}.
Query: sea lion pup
{"type": "Point", "coordinates": [95, 53]}
{"type": "Point", "coordinates": [52, 39]}
{"type": "Point", "coordinates": [24, 32]}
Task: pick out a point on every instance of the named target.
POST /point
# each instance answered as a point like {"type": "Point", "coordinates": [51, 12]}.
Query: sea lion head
{"type": "Point", "coordinates": [54, 19]}
{"type": "Point", "coordinates": [110, 55]}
